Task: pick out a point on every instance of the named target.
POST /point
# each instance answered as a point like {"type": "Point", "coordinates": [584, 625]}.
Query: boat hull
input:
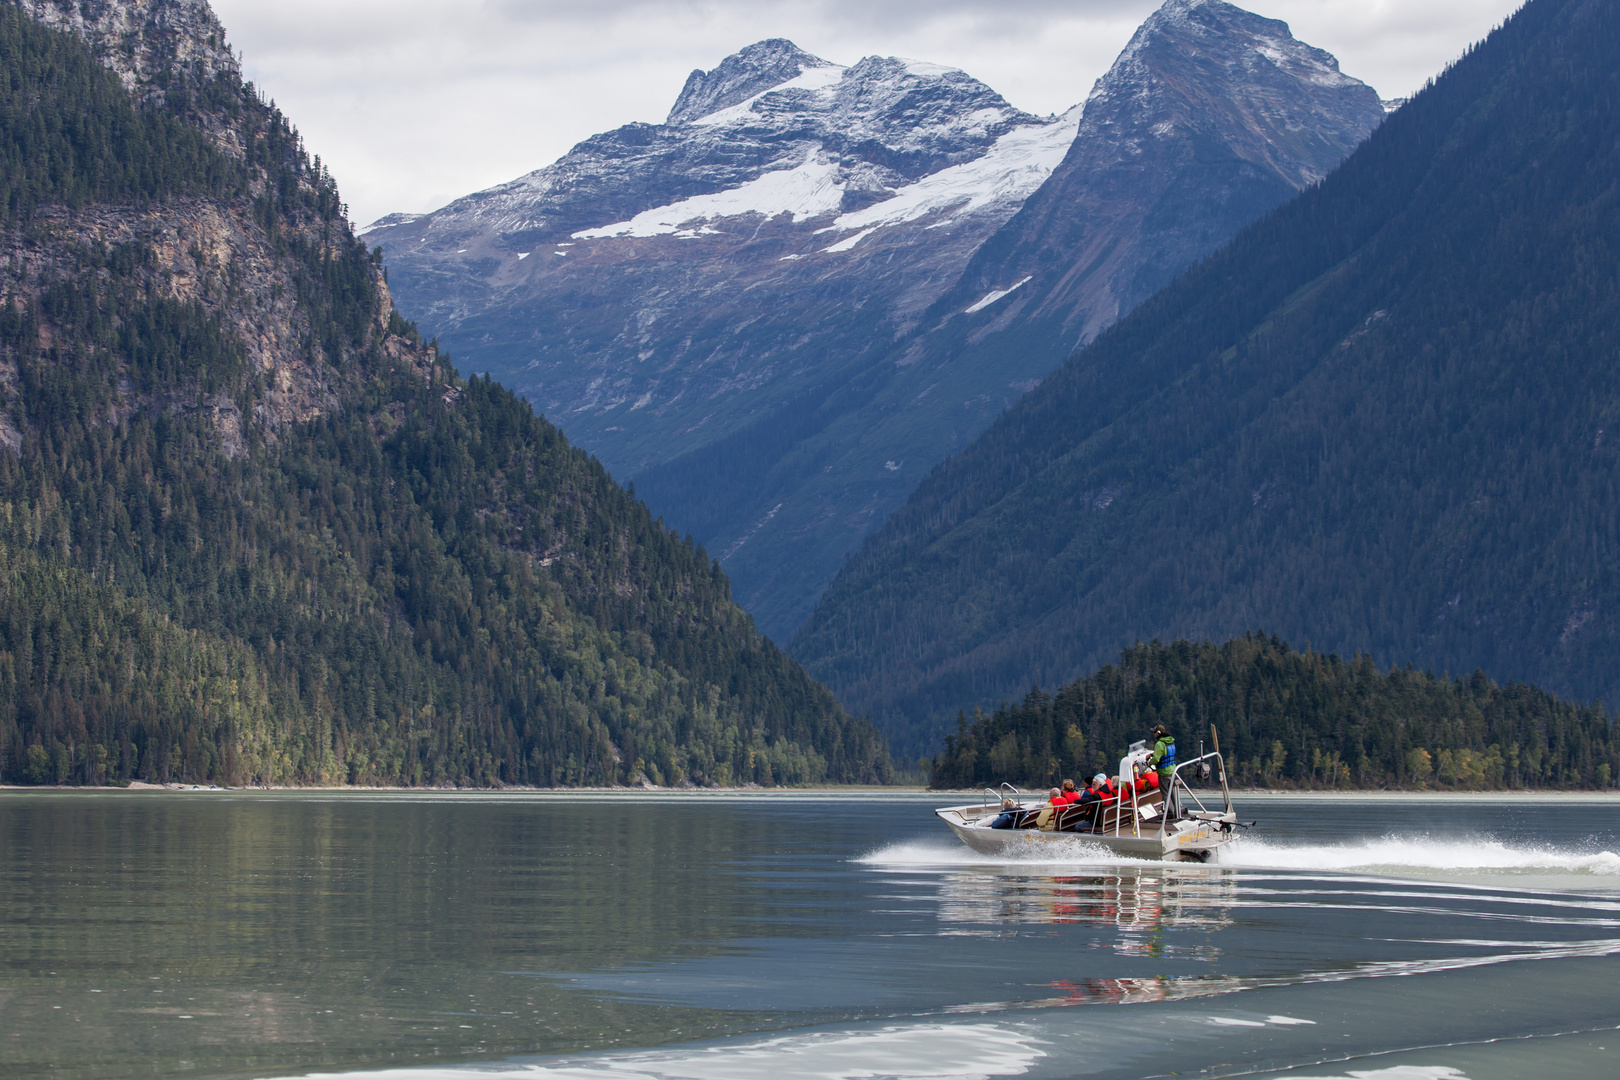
{"type": "Point", "coordinates": [1183, 841]}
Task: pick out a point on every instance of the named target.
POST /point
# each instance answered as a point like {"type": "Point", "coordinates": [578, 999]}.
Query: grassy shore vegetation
{"type": "Point", "coordinates": [424, 583]}
{"type": "Point", "coordinates": [1291, 719]}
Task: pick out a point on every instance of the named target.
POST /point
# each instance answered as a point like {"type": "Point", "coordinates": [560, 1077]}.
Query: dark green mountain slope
{"type": "Point", "coordinates": [1291, 719]}
{"type": "Point", "coordinates": [1383, 419]}
{"type": "Point", "coordinates": [254, 529]}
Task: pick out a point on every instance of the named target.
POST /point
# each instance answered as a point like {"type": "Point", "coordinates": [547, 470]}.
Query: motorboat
{"type": "Point", "coordinates": [1170, 822]}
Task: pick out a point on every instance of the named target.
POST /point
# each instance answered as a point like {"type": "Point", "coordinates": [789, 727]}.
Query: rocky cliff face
{"type": "Point", "coordinates": [778, 311]}
{"type": "Point", "coordinates": [149, 44]}
{"type": "Point", "coordinates": [227, 253]}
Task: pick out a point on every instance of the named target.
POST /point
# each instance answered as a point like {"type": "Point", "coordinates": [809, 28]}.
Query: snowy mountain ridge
{"type": "Point", "coordinates": [779, 309]}
{"type": "Point", "coordinates": [844, 137]}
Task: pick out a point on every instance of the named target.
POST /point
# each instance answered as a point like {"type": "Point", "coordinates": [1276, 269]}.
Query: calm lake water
{"type": "Point", "coordinates": [797, 937]}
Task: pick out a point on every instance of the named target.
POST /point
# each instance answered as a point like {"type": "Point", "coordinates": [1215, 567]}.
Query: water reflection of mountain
{"type": "Point", "coordinates": [1136, 899]}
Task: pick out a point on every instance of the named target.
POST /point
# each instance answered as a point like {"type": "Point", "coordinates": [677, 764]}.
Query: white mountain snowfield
{"type": "Point", "coordinates": [808, 190]}
{"type": "Point", "coordinates": [1015, 165]}
{"type": "Point", "coordinates": [1018, 164]}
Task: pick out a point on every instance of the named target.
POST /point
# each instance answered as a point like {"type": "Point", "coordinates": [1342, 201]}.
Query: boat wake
{"type": "Point", "coordinates": [1399, 855]}
{"type": "Point", "coordinates": [1420, 853]}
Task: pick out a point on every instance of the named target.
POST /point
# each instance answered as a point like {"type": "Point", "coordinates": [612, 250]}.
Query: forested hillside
{"type": "Point", "coordinates": [254, 529]}
{"type": "Point", "coordinates": [1289, 719]}
{"type": "Point", "coordinates": [1384, 419]}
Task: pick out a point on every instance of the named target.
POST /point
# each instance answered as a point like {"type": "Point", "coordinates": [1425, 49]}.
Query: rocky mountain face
{"type": "Point", "coordinates": [149, 44]}
{"type": "Point", "coordinates": [213, 239]}
{"type": "Point", "coordinates": [1209, 118]}
{"type": "Point", "coordinates": [778, 310]}
{"type": "Point", "coordinates": [254, 528]}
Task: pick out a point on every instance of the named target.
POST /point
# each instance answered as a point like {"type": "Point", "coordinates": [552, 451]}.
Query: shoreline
{"type": "Point", "coordinates": [945, 796]}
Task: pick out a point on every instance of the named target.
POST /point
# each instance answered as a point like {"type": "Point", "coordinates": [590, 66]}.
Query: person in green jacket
{"type": "Point", "coordinates": [1164, 757]}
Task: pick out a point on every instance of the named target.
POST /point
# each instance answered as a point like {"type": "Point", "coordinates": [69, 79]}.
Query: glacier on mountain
{"type": "Point", "coordinates": [1018, 163]}
{"type": "Point", "coordinates": [809, 190]}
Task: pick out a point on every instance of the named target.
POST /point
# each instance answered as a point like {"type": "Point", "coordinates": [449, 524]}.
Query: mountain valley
{"type": "Point", "coordinates": [779, 309]}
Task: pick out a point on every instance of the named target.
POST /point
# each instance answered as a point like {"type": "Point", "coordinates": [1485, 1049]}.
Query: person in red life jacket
{"type": "Point", "coordinates": [1066, 798]}
{"type": "Point", "coordinates": [1097, 794]}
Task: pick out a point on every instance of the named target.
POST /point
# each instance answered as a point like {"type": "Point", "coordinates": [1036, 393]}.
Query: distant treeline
{"type": "Point", "coordinates": [1291, 719]}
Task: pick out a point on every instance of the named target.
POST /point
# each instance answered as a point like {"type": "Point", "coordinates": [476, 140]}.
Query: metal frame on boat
{"type": "Point", "coordinates": [1158, 824]}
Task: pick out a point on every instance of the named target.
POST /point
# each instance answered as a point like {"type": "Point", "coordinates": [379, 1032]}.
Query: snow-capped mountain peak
{"type": "Point", "coordinates": [812, 84]}
{"type": "Point", "coordinates": [1224, 34]}
{"type": "Point", "coordinates": [742, 75]}
{"type": "Point", "coordinates": [949, 143]}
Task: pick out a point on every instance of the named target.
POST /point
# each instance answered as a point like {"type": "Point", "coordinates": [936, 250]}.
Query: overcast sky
{"type": "Point", "coordinates": [412, 103]}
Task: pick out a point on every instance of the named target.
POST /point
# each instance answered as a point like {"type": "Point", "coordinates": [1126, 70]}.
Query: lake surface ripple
{"type": "Point", "coordinates": [800, 937]}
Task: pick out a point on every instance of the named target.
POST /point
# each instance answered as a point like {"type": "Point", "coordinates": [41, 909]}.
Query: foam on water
{"type": "Point", "coordinates": [1393, 854]}
{"type": "Point", "coordinates": [1418, 853]}
{"type": "Point", "coordinates": [905, 1052]}
{"type": "Point", "coordinates": [1398, 1072]}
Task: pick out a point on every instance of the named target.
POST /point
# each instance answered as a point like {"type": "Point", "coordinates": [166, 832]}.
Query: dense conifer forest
{"type": "Point", "coordinates": [1383, 420]}
{"type": "Point", "coordinates": [1289, 719]}
{"type": "Point", "coordinates": [356, 567]}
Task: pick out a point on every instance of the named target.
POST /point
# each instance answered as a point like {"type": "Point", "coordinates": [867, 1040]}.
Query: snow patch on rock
{"type": "Point", "coordinates": [820, 81]}
{"type": "Point", "coordinates": [996, 294]}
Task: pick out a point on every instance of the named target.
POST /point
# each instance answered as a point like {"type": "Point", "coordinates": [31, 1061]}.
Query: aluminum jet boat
{"type": "Point", "coordinates": [1170, 822]}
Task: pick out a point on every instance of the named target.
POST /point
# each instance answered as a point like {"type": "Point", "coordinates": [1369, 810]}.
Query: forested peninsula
{"type": "Point", "coordinates": [254, 529]}
{"type": "Point", "coordinates": [1290, 719]}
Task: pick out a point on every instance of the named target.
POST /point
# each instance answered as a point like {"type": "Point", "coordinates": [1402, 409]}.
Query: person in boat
{"type": "Point", "coordinates": [1163, 758]}
{"type": "Point", "coordinates": [1049, 814]}
{"type": "Point", "coordinates": [1010, 813]}
{"type": "Point", "coordinates": [1067, 798]}
{"type": "Point", "coordinates": [1099, 792]}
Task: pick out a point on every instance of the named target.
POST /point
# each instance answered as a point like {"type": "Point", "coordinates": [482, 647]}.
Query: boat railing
{"type": "Point", "coordinates": [1176, 778]}
{"type": "Point", "coordinates": [995, 796]}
